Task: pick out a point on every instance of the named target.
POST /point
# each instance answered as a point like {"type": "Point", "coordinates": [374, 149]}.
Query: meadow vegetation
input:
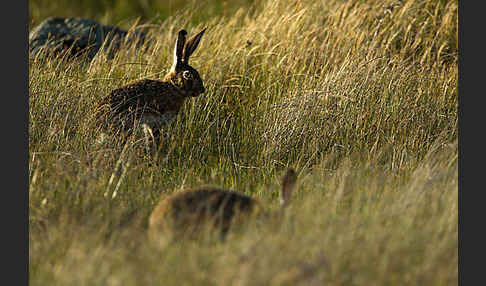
{"type": "Point", "coordinates": [360, 97]}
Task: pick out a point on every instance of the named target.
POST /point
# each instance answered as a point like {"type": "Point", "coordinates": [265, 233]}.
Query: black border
{"type": "Point", "coordinates": [460, 110]}
{"type": "Point", "coordinates": [15, 134]}
{"type": "Point", "coordinates": [470, 91]}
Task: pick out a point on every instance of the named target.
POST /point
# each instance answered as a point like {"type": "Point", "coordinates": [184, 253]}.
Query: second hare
{"type": "Point", "coordinates": [187, 212]}
{"type": "Point", "coordinates": [152, 103]}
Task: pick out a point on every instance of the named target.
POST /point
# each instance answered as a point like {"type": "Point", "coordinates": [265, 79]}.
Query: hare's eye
{"type": "Point", "coordinates": [187, 75]}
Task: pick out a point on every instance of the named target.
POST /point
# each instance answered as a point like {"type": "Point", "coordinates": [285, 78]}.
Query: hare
{"type": "Point", "coordinates": [185, 213]}
{"type": "Point", "coordinates": [151, 103]}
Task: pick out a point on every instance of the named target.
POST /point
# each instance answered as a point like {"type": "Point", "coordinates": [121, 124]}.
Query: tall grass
{"type": "Point", "coordinates": [359, 96]}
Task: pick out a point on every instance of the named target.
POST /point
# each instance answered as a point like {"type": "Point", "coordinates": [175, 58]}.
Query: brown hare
{"type": "Point", "coordinates": [151, 103]}
{"type": "Point", "coordinates": [187, 212]}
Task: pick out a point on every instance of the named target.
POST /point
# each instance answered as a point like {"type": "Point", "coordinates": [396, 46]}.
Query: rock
{"type": "Point", "coordinates": [57, 35]}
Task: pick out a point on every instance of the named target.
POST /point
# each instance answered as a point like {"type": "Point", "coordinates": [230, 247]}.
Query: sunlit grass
{"type": "Point", "coordinates": [360, 97]}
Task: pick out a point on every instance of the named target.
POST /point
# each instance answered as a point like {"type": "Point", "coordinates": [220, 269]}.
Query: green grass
{"type": "Point", "coordinates": [360, 97]}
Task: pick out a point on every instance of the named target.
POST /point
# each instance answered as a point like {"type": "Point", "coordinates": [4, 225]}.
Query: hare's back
{"type": "Point", "coordinates": [189, 211]}
{"type": "Point", "coordinates": [153, 98]}
{"type": "Point", "coordinates": [142, 91]}
{"type": "Point", "coordinates": [212, 200]}
{"type": "Point", "coordinates": [205, 203]}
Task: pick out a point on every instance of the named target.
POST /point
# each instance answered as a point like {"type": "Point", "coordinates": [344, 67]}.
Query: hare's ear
{"type": "Point", "coordinates": [288, 184]}
{"type": "Point", "coordinates": [178, 49]}
{"type": "Point", "coordinates": [192, 45]}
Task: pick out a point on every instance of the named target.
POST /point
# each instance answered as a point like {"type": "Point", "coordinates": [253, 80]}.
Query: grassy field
{"type": "Point", "coordinates": [360, 97]}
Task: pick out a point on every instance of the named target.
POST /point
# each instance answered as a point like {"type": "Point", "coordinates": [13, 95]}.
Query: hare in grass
{"type": "Point", "coordinates": [187, 212]}
{"type": "Point", "coordinates": [150, 103]}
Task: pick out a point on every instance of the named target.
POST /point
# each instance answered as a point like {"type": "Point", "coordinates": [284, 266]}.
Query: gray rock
{"type": "Point", "coordinates": [79, 36]}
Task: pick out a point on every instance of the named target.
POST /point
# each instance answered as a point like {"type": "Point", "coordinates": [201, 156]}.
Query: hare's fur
{"type": "Point", "coordinates": [152, 103]}
{"type": "Point", "coordinates": [188, 211]}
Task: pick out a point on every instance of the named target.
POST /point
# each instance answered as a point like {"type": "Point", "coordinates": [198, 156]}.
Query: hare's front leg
{"type": "Point", "coordinates": [149, 140]}
{"type": "Point", "coordinates": [152, 126]}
